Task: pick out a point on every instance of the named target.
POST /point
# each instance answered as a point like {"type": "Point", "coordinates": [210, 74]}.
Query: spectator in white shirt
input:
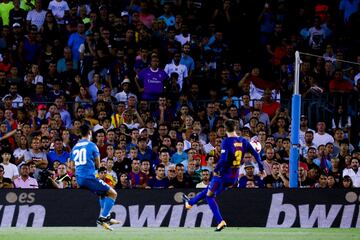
{"type": "Point", "coordinates": [180, 69]}
{"type": "Point", "coordinates": [184, 36]}
{"type": "Point", "coordinates": [321, 137]}
{"type": "Point", "coordinates": [205, 178]}
{"type": "Point", "coordinates": [17, 100]}
{"type": "Point", "coordinates": [59, 8]}
{"type": "Point", "coordinates": [304, 127]}
{"type": "Point", "coordinates": [36, 16]}
{"type": "Point", "coordinates": [124, 95]}
{"type": "Point", "coordinates": [353, 172]}
{"type": "Point", "coordinates": [211, 144]}
{"type": "Point", "coordinates": [10, 169]}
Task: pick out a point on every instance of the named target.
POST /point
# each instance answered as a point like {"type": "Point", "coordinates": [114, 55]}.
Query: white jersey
{"type": "Point", "coordinates": [10, 170]}
{"type": "Point", "coordinates": [58, 9]}
{"type": "Point", "coordinates": [36, 18]}
{"type": "Point", "coordinates": [179, 69]}
{"type": "Point", "coordinates": [322, 139]}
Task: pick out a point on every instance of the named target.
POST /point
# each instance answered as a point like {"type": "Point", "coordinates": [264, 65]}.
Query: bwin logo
{"type": "Point", "coordinates": [154, 216]}
{"type": "Point", "coordinates": [18, 212]}
{"type": "Point", "coordinates": [323, 215]}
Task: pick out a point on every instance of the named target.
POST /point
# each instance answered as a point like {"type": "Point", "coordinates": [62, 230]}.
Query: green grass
{"type": "Point", "coordinates": [87, 233]}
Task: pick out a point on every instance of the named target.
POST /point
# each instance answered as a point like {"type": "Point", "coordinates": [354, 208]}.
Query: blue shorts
{"type": "Point", "coordinates": [219, 184]}
{"type": "Point", "coordinates": [95, 185]}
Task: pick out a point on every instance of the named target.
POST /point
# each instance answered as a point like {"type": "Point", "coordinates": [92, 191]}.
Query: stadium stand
{"type": "Point", "coordinates": [157, 79]}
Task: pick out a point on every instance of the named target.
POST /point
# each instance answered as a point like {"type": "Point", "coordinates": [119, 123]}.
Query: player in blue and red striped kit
{"type": "Point", "coordinates": [226, 172]}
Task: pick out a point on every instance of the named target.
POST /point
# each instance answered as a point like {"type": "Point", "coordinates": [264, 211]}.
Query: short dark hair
{"type": "Point", "coordinates": [160, 166]}
{"type": "Point", "coordinates": [134, 148]}
{"type": "Point", "coordinates": [164, 151]}
{"type": "Point", "coordinates": [136, 159]}
{"type": "Point", "coordinates": [311, 148]}
{"type": "Point", "coordinates": [287, 139]}
{"type": "Point", "coordinates": [166, 136]}
{"type": "Point", "coordinates": [100, 131]}
{"type": "Point", "coordinates": [44, 138]}
{"type": "Point", "coordinates": [80, 107]}
{"type": "Point", "coordinates": [329, 143]}
{"type": "Point", "coordinates": [110, 130]}
{"type": "Point", "coordinates": [338, 129]}
{"type": "Point", "coordinates": [145, 160]}
{"type": "Point", "coordinates": [84, 130]}
{"type": "Point", "coordinates": [25, 164]}
{"type": "Point", "coordinates": [134, 129]}
{"type": "Point", "coordinates": [179, 165]}
{"type": "Point", "coordinates": [230, 125]}
{"type": "Point", "coordinates": [345, 141]}
{"type": "Point", "coordinates": [322, 173]}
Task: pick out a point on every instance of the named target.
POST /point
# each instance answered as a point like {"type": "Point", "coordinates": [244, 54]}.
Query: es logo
{"type": "Point", "coordinates": [18, 212]}
{"type": "Point", "coordinates": [11, 197]}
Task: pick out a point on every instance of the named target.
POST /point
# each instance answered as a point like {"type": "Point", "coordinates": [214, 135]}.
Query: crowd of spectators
{"type": "Point", "coordinates": [155, 80]}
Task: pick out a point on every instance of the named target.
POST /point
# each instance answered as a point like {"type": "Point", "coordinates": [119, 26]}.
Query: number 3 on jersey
{"type": "Point", "coordinates": [238, 155]}
{"type": "Point", "coordinates": [80, 156]}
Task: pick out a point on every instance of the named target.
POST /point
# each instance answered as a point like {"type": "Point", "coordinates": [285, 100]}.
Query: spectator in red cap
{"type": "Point", "coordinates": [304, 180]}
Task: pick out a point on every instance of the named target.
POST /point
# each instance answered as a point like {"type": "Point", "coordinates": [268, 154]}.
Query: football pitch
{"type": "Point", "coordinates": [126, 233]}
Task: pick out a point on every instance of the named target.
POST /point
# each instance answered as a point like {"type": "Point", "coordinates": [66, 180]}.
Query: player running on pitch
{"type": "Point", "coordinates": [226, 172]}
{"type": "Point", "coordinates": [86, 156]}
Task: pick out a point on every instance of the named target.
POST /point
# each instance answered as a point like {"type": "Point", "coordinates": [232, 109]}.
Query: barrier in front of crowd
{"type": "Point", "coordinates": [305, 208]}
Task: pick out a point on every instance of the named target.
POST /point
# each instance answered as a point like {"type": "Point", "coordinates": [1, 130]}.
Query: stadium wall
{"type": "Point", "coordinates": [306, 208]}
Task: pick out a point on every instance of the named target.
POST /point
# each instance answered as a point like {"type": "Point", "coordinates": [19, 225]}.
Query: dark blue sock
{"type": "Point", "coordinates": [108, 204]}
{"type": "Point", "coordinates": [214, 208]}
{"type": "Point", "coordinates": [102, 203]}
{"type": "Point", "coordinates": [198, 197]}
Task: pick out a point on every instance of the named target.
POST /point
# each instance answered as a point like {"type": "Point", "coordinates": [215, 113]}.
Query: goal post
{"type": "Point", "coordinates": [295, 126]}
